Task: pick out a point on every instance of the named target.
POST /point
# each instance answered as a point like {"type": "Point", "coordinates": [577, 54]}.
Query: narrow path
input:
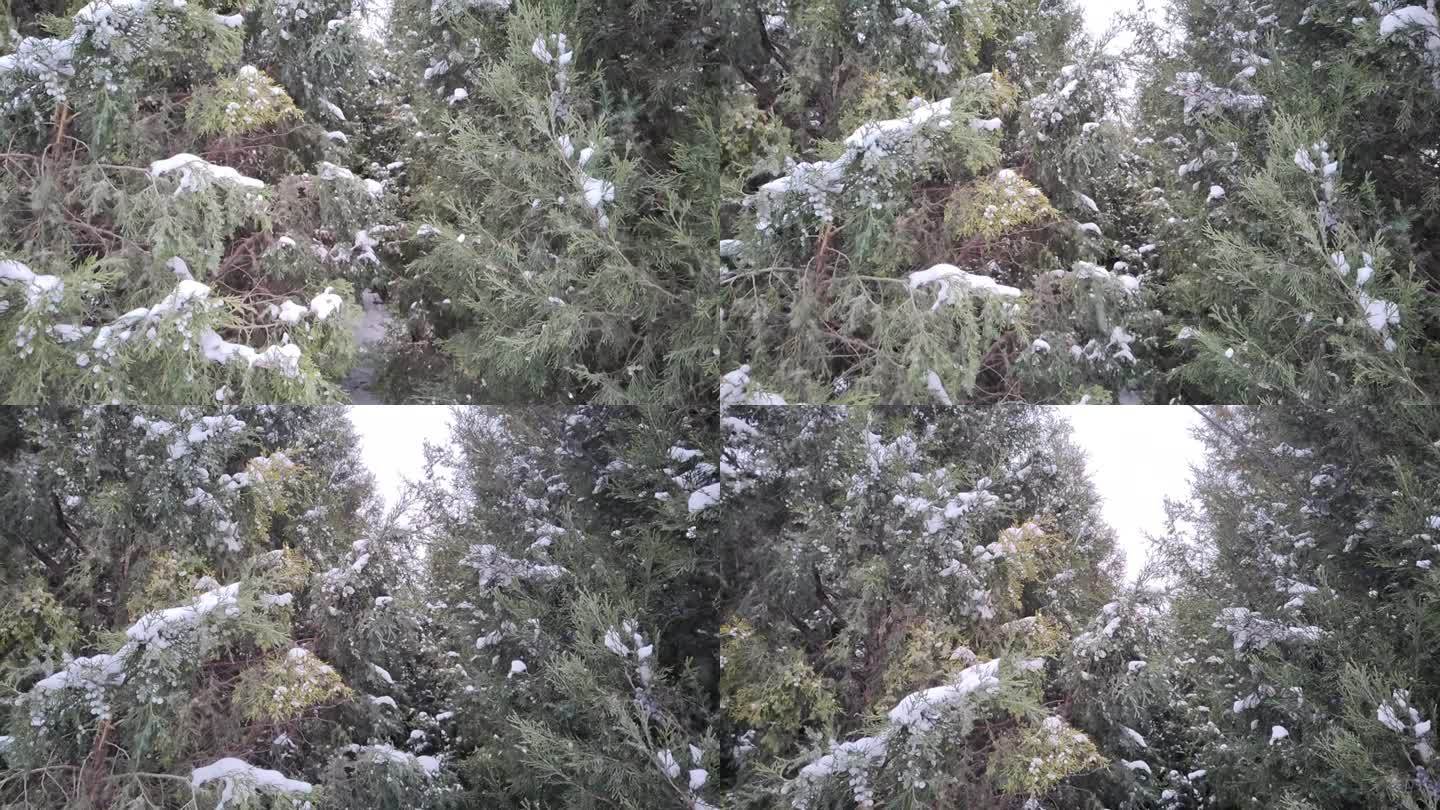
{"type": "Point", "coordinates": [368, 331]}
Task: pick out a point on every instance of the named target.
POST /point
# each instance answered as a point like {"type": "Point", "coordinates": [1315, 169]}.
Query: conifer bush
{"type": "Point", "coordinates": [142, 211]}
{"type": "Point", "coordinates": [795, 606]}
{"type": "Point", "coordinates": [917, 201]}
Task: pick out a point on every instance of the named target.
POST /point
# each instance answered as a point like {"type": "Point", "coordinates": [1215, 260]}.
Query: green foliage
{"type": "Point", "coordinates": [1038, 757]}
{"type": "Point", "coordinates": [893, 571]}
{"type": "Point", "coordinates": [38, 629]}
{"type": "Point", "coordinates": [778, 695]}
{"type": "Point", "coordinates": [568, 264]}
{"type": "Point", "coordinates": [996, 206]}
{"type": "Point", "coordinates": [247, 102]}
{"type": "Point", "coordinates": [286, 688]}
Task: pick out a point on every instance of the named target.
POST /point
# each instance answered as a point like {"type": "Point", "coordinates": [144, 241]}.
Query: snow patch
{"type": "Point", "coordinates": [944, 275]}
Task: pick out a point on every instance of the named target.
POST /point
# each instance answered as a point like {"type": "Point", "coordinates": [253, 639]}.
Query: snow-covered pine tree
{"type": "Point", "coordinates": [573, 571]}
{"type": "Point", "coordinates": [101, 491]}
{"type": "Point", "coordinates": [563, 232]}
{"type": "Point", "coordinates": [1303, 596]}
{"type": "Point", "coordinates": [1301, 138]}
{"type": "Point", "coordinates": [946, 243]}
{"type": "Point", "coordinates": [911, 630]}
{"type": "Point", "coordinates": [194, 615]}
{"type": "Point", "coordinates": [172, 185]}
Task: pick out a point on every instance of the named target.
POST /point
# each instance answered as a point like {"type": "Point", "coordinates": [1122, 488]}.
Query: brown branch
{"type": "Point", "coordinates": [765, 38]}
{"type": "Point", "coordinates": [66, 530]}
{"type": "Point", "coordinates": [54, 570]}
{"type": "Point", "coordinates": [62, 117]}
{"type": "Point", "coordinates": [90, 777]}
{"type": "Point", "coordinates": [822, 594]}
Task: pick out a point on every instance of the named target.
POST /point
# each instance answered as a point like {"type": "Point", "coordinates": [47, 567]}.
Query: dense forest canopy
{"type": "Point", "coordinates": [863, 201]}
{"type": "Point", "coordinates": [748, 310]}
{"type": "Point", "coordinates": [807, 607]}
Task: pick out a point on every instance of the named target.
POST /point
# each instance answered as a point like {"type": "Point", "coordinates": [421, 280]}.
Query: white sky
{"type": "Point", "coordinates": [1137, 455]}
{"type": "Point", "coordinates": [392, 441]}
{"type": "Point", "coordinates": [1099, 12]}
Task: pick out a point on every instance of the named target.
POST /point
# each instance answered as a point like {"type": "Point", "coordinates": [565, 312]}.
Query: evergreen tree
{"type": "Point", "coordinates": [574, 575]}
{"type": "Point", "coordinates": [1302, 595]}
{"type": "Point", "coordinates": [925, 580]}
{"type": "Point", "coordinates": [948, 244]}
{"type": "Point", "coordinates": [195, 616]}
{"type": "Point", "coordinates": [563, 234]}
{"type": "Point", "coordinates": [1301, 140]}
{"type": "Point", "coordinates": [169, 191]}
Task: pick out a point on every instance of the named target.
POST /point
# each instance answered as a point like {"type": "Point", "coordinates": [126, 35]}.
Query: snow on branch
{"type": "Point", "coordinates": [321, 307]}
{"type": "Point", "coordinates": [1250, 630]}
{"type": "Point", "coordinates": [736, 389]}
{"type": "Point", "coordinates": [870, 145]}
{"type": "Point", "coordinates": [386, 755]}
{"type": "Point", "coordinates": [197, 172]}
{"type": "Point", "coordinates": [234, 772]}
{"type": "Point", "coordinates": [916, 713]}
{"type": "Point", "coordinates": [158, 630]}
{"type": "Point", "coordinates": [111, 33]}
{"type": "Point", "coordinates": [1418, 24]}
{"type": "Point", "coordinates": [178, 309]}
{"type": "Point", "coordinates": [497, 569]}
{"type": "Point", "coordinates": [41, 292]}
{"type": "Point", "coordinates": [945, 275]}
{"type": "Point", "coordinates": [1203, 99]}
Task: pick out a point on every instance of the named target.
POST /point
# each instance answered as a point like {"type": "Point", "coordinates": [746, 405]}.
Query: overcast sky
{"type": "Point", "coordinates": [392, 440]}
{"type": "Point", "coordinates": [1137, 455]}
{"type": "Point", "coordinates": [1099, 12]}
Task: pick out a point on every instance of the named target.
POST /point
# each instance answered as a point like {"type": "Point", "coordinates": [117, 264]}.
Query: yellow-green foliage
{"type": "Point", "coordinates": [748, 135]}
{"type": "Point", "coordinates": [269, 476]}
{"type": "Point", "coordinates": [996, 206]}
{"type": "Point", "coordinates": [775, 691]}
{"type": "Point", "coordinates": [285, 570]}
{"type": "Point", "coordinates": [931, 652]}
{"type": "Point", "coordinates": [1004, 94]}
{"type": "Point", "coordinates": [881, 95]}
{"type": "Point", "coordinates": [1029, 547]}
{"type": "Point", "coordinates": [33, 621]}
{"type": "Point", "coordinates": [1036, 635]}
{"type": "Point", "coordinates": [169, 580]}
{"type": "Point", "coordinates": [1036, 758]}
{"type": "Point", "coordinates": [288, 686]}
{"type": "Point", "coordinates": [246, 102]}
